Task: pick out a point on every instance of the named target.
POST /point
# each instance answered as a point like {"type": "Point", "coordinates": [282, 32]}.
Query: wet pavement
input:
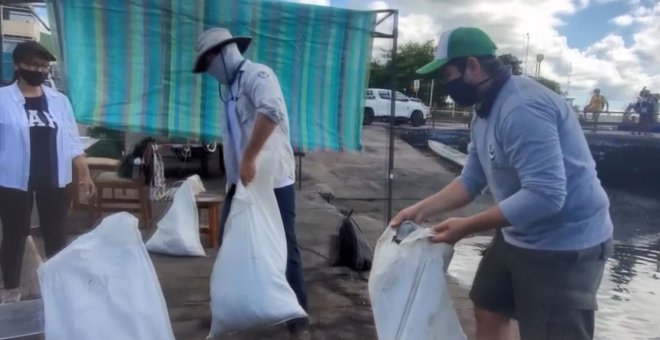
{"type": "Point", "coordinates": [629, 297]}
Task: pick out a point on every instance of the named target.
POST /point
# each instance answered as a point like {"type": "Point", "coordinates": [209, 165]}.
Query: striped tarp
{"type": "Point", "coordinates": [128, 64]}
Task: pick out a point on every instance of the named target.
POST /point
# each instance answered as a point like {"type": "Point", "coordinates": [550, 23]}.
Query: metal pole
{"type": "Point", "coordinates": [431, 102]}
{"type": "Point", "coordinates": [568, 86]}
{"type": "Point", "coordinates": [390, 171]}
{"type": "Point", "coordinates": [527, 54]}
{"type": "Point", "coordinates": [2, 46]}
{"type": "Point", "coordinates": [431, 98]}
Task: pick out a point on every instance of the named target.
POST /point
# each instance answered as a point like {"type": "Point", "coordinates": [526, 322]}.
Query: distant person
{"type": "Point", "coordinates": [39, 143]}
{"type": "Point", "coordinates": [256, 115]}
{"type": "Point", "coordinates": [553, 231]}
{"type": "Point", "coordinates": [645, 107]}
{"type": "Point", "coordinates": [597, 105]}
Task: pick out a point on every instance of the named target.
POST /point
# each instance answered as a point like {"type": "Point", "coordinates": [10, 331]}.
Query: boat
{"type": "Point", "coordinates": [447, 152]}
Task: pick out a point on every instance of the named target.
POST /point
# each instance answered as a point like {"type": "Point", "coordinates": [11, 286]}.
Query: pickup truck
{"type": "Point", "coordinates": [377, 107]}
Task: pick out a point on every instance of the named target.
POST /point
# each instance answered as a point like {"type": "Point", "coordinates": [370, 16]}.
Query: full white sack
{"type": "Point", "coordinates": [104, 286]}
{"type": "Point", "coordinates": [248, 284]}
{"type": "Point", "coordinates": [177, 233]}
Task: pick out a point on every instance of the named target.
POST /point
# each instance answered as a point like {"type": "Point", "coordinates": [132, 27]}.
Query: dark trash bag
{"type": "Point", "coordinates": [351, 247]}
{"type": "Point", "coordinates": [125, 169]}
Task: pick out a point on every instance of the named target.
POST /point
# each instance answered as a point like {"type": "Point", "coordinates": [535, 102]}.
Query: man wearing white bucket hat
{"type": "Point", "coordinates": [551, 218]}
{"type": "Point", "coordinates": [256, 115]}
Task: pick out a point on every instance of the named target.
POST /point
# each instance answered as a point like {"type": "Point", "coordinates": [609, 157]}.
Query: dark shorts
{"type": "Point", "coordinates": [552, 294]}
{"type": "Point", "coordinates": [646, 119]}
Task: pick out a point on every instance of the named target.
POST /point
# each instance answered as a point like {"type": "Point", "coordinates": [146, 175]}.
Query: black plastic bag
{"type": "Point", "coordinates": [351, 248]}
{"type": "Point", "coordinates": [125, 169]}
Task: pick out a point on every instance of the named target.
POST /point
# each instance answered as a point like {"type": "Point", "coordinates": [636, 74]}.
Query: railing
{"type": "Point", "coordinates": [605, 120]}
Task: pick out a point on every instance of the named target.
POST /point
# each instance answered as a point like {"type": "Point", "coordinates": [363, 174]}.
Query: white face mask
{"type": "Point", "coordinates": [217, 70]}
{"type": "Point", "coordinates": [226, 64]}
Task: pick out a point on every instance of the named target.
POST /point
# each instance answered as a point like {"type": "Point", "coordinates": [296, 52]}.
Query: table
{"type": "Point", "coordinates": [211, 203]}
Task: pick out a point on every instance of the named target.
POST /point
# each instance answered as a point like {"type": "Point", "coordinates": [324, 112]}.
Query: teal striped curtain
{"type": "Point", "coordinates": [128, 64]}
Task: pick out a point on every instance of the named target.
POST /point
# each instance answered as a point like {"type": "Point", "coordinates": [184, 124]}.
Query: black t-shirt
{"type": "Point", "coordinates": [43, 144]}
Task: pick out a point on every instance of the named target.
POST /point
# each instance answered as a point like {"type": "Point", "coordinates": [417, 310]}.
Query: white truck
{"type": "Point", "coordinates": [378, 103]}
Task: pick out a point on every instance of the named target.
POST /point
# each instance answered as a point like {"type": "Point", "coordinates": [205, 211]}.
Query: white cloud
{"type": "Point", "coordinates": [618, 68]}
{"type": "Point", "coordinates": [623, 20]}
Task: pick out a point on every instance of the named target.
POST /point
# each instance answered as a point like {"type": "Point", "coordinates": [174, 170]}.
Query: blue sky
{"type": "Point", "coordinates": [338, 3]}
{"type": "Point", "coordinates": [589, 25]}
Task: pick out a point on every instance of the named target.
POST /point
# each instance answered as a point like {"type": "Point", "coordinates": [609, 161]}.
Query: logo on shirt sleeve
{"type": "Point", "coordinates": [491, 152]}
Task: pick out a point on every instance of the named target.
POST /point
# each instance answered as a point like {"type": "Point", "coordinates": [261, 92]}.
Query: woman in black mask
{"type": "Point", "coordinates": [39, 146]}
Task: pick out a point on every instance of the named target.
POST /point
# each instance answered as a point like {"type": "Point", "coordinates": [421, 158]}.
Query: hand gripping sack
{"type": "Point", "coordinates": [408, 288]}
{"type": "Point", "coordinates": [104, 286]}
{"type": "Point", "coordinates": [248, 284]}
{"type": "Point", "coordinates": [177, 232]}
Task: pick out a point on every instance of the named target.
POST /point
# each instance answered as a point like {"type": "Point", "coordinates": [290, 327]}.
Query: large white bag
{"type": "Point", "coordinates": [248, 284]}
{"type": "Point", "coordinates": [104, 286]}
{"type": "Point", "coordinates": [408, 288]}
{"type": "Point", "coordinates": [177, 233]}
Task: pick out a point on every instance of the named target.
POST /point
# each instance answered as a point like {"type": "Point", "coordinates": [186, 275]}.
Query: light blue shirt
{"type": "Point", "coordinates": [257, 91]}
{"type": "Point", "coordinates": [532, 154]}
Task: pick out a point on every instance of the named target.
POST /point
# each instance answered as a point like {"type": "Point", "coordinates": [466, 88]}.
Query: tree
{"type": "Point", "coordinates": [516, 69]}
{"type": "Point", "coordinates": [378, 75]}
{"type": "Point", "coordinates": [410, 57]}
{"type": "Point", "coordinates": [513, 63]}
{"type": "Point", "coordinates": [551, 84]}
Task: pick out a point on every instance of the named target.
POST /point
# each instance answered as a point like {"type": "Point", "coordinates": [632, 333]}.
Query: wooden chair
{"type": "Point", "coordinates": [96, 165]}
{"type": "Point", "coordinates": [134, 193]}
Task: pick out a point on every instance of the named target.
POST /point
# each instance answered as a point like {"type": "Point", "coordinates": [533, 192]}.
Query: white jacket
{"type": "Point", "coordinates": [15, 137]}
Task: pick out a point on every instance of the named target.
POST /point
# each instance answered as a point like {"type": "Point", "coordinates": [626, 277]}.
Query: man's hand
{"type": "Point", "coordinates": [450, 231]}
{"type": "Point", "coordinates": [248, 170]}
{"type": "Point", "coordinates": [412, 213]}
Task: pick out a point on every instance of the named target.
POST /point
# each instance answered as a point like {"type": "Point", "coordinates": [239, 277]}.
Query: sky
{"type": "Point", "coordinates": [613, 45]}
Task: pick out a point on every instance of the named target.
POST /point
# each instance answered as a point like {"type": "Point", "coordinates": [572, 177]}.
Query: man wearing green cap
{"type": "Point", "coordinates": [551, 218]}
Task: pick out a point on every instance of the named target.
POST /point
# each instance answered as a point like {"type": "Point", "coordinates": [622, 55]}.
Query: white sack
{"type": "Point", "coordinates": [408, 288]}
{"type": "Point", "coordinates": [177, 233]}
{"type": "Point", "coordinates": [104, 286]}
{"type": "Point", "coordinates": [248, 284]}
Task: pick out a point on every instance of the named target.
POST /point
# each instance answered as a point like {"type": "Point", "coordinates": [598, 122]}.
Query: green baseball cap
{"type": "Point", "coordinates": [457, 43]}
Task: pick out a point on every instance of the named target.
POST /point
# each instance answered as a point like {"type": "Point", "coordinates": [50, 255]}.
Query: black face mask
{"type": "Point", "coordinates": [33, 78]}
{"type": "Point", "coordinates": [462, 93]}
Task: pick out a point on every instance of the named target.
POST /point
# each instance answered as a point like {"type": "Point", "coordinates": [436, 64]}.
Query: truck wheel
{"type": "Point", "coordinates": [417, 119]}
{"type": "Point", "coordinates": [368, 116]}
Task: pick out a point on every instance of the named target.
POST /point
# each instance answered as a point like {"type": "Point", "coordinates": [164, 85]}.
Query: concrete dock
{"type": "Point", "coordinates": [338, 298]}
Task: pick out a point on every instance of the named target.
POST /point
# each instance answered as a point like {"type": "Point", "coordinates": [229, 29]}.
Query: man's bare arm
{"type": "Point", "coordinates": [263, 128]}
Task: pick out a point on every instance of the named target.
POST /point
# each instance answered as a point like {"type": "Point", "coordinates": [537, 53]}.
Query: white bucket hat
{"type": "Point", "coordinates": [215, 39]}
